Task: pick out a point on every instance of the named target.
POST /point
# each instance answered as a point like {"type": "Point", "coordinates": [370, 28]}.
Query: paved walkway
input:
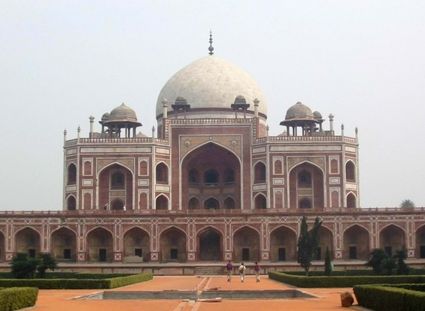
{"type": "Point", "coordinates": [327, 299]}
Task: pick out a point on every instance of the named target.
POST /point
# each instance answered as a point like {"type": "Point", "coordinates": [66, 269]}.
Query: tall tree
{"type": "Point", "coordinates": [308, 242]}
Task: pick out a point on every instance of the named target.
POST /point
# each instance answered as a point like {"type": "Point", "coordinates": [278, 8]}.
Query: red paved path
{"type": "Point", "coordinates": [328, 299]}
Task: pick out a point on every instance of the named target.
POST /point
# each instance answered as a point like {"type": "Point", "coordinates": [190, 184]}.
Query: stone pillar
{"type": "Point", "coordinates": [256, 102]}
{"type": "Point", "coordinates": [91, 118]}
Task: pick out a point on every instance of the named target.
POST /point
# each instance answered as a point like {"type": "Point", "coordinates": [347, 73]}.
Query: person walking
{"type": "Point", "coordinates": [242, 269]}
{"type": "Point", "coordinates": [257, 271]}
{"type": "Point", "coordinates": [229, 270]}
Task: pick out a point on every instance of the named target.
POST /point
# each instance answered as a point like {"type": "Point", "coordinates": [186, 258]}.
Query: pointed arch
{"type": "Point", "coordinates": [63, 244]}
{"type": "Point", "coordinates": [194, 203]}
{"type": "Point", "coordinates": [162, 202]}
{"type": "Point", "coordinates": [229, 203]}
{"type": "Point", "coordinates": [350, 171]}
{"type": "Point", "coordinates": [71, 174]}
{"type": "Point", "coordinates": [162, 170]}
{"type": "Point", "coordinates": [392, 238]}
{"type": "Point", "coordinates": [260, 201]}
{"type": "Point", "coordinates": [108, 191]}
{"type": "Point", "coordinates": [351, 200]}
{"type": "Point", "coordinates": [136, 244]}
{"type": "Point", "coordinates": [246, 244]}
{"type": "Point", "coordinates": [172, 242]}
{"type": "Point", "coordinates": [28, 240]}
{"type": "Point", "coordinates": [209, 244]}
{"type": "Point", "coordinates": [420, 242]}
{"type": "Point", "coordinates": [356, 242]}
{"type": "Point", "coordinates": [71, 203]}
{"type": "Point", "coordinates": [283, 244]}
{"type": "Point", "coordinates": [310, 187]}
{"type": "Point", "coordinates": [259, 172]}
{"type": "Point", "coordinates": [99, 241]}
{"type": "Point", "coordinates": [2, 246]}
{"type": "Point", "coordinates": [211, 203]}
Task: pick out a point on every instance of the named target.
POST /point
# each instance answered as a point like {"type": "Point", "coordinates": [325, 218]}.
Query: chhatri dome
{"type": "Point", "coordinates": [211, 83]}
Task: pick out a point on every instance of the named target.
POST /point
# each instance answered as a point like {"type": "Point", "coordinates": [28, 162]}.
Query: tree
{"type": "Point", "coordinates": [328, 262]}
{"type": "Point", "coordinates": [46, 262]}
{"type": "Point", "coordinates": [389, 264]}
{"type": "Point", "coordinates": [407, 204]}
{"type": "Point", "coordinates": [308, 242]}
{"type": "Point", "coordinates": [402, 267]}
{"type": "Point", "coordinates": [23, 267]}
{"type": "Point", "coordinates": [376, 260]}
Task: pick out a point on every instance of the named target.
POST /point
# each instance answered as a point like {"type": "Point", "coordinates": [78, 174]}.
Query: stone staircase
{"type": "Point", "coordinates": [209, 270]}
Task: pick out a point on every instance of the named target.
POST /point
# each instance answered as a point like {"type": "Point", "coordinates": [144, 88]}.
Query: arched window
{"type": "Point", "coordinates": [117, 205]}
{"type": "Point", "coordinates": [71, 203]}
{"type": "Point", "coordinates": [193, 176]}
{"type": "Point", "coordinates": [87, 168]}
{"type": "Point", "coordinates": [351, 200]}
{"type": "Point", "coordinates": [193, 203]}
{"type": "Point", "coordinates": [350, 171]}
{"type": "Point", "coordinates": [211, 203]}
{"type": "Point", "coordinates": [304, 179]}
{"type": "Point", "coordinates": [117, 180]}
{"type": "Point", "coordinates": [334, 166]}
{"type": "Point", "coordinates": [260, 202]}
{"type": "Point", "coordinates": [211, 177]}
{"type": "Point", "coordinates": [162, 202]}
{"type": "Point", "coordinates": [304, 203]}
{"type": "Point", "coordinates": [229, 175]}
{"type": "Point", "coordinates": [162, 173]}
{"type": "Point", "coordinates": [278, 167]}
{"type": "Point", "coordinates": [259, 173]}
{"type": "Point", "coordinates": [229, 203]}
{"type": "Point", "coordinates": [72, 174]}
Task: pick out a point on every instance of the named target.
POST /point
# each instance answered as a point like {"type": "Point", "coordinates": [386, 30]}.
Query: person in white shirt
{"type": "Point", "coordinates": [242, 269]}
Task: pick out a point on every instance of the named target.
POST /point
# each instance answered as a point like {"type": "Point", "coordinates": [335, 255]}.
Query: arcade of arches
{"type": "Point", "coordinates": [173, 242]}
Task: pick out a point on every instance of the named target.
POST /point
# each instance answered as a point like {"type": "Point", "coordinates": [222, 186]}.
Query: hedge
{"type": "Point", "coordinates": [342, 281]}
{"type": "Point", "coordinates": [77, 283]}
{"type": "Point", "coordinates": [17, 298]}
{"type": "Point", "coordinates": [390, 297]}
{"type": "Point", "coordinates": [70, 275]}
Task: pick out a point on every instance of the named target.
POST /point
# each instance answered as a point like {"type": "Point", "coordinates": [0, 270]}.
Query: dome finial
{"type": "Point", "coordinates": [211, 48]}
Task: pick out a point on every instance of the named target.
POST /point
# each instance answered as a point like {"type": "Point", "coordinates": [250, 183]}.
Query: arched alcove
{"type": "Point", "coordinates": [210, 245]}
{"type": "Point", "coordinates": [136, 245]}
{"type": "Point", "coordinates": [27, 241]}
{"type": "Point", "coordinates": [356, 243]}
{"type": "Point", "coordinates": [64, 244]}
{"type": "Point", "coordinates": [246, 245]}
{"type": "Point", "coordinates": [259, 173]}
{"type": "Point", "coordinates": [260, 202]}
{"type": "Point", "coordinates": [283, 244]}
{"type": "Point", "coordinates": [173, 245]}
{"type": "Point", "coordinates": [100, 245]}
{"type": "Point", "coordinates": [306, 183]}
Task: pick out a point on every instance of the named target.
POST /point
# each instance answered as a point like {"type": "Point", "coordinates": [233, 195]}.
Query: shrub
{"type": "Point", "coordinates": [343, 281]}
{"type": "Point", "coordinates": [23, 266]}
{"type": "Point", "coordinates": [376, 260]}
{"type": "Point", "coordinates": [17, 298]}
{"type": "Point", "coordinates": [390, 298]}
{"type": "Point", "coordinates": [46, 261]}
{"type": "Point", "coordinates": [98, 283]}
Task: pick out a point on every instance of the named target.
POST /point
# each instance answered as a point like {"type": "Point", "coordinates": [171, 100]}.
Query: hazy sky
{"type": "Point", "coordinates": [62, 61]}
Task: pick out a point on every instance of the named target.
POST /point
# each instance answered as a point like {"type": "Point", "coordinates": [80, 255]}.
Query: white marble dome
{"type": "Point", "coordinates": [211, 82]}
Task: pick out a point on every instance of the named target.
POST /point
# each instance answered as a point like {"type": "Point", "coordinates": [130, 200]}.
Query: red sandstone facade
{"type": "Point", "coordinates": [212, 186]}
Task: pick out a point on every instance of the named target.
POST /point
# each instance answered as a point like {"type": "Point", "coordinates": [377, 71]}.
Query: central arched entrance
{"type": "Point", "coordinates": [246, 245]}
{"type": "Point", "coordinates": [210, 245]}
{"type": "Point", "coordinates": [99, 245]}
{"type": "Point", "coordinates": [283, 244]}
{"type": "Point", "coordinates": [211, 173]}
{"type": "Point", "coordinates": [64, 244]}
{"type": "Point", "coordinates": [136, 245]}
{"type": "Point", "coordinates": [115, 188]}
{"type": "Point", "coordinates": [173, 245]}
{"type": "Point", "coordinates": [306, 187]}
